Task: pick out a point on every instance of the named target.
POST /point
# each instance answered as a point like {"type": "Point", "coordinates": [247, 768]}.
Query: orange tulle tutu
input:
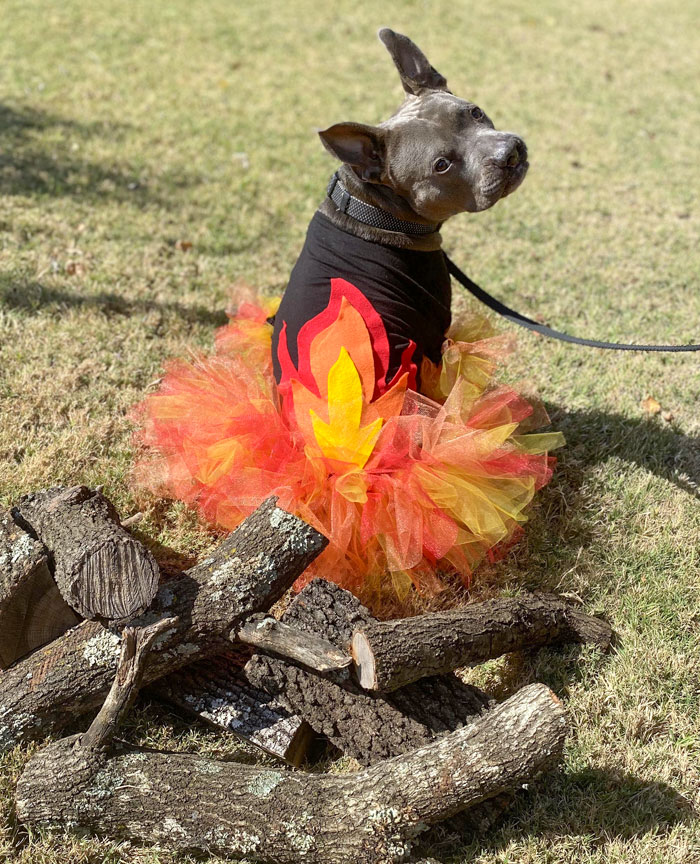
{"type": "Point", "coordinates": [405, 485]}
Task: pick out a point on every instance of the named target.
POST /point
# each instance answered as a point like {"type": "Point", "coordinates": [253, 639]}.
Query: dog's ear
{"type": "Point", "coordinates": [358, 145]}
{"type": "Point", "coordinates": [414, 68]}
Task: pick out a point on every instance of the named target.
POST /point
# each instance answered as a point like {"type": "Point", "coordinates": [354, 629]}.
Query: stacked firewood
{"type": "Point", "coordinates": [84, 624]}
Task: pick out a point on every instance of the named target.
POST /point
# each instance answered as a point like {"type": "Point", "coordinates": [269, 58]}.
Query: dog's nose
{"type": "Point", "coordinates": [517, 154]}
{"type": "Point", "coordinates": [513, 153]}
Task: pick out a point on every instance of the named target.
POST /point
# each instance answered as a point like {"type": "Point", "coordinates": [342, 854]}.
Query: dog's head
{"type": "Point", "coordinates": [441, 154]}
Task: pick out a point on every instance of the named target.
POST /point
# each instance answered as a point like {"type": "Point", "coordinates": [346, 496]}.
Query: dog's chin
{"type": "Point", "coordinates": [514, 178]}
{"type": "Point", "coordinates": [499, 184]}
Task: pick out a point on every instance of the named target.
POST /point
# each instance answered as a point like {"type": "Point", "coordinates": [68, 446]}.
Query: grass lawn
{"type": "Point", "coordinates": [130, 131]}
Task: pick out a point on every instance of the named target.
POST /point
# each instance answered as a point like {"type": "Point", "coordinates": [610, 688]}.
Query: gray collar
{"type": "Point", "coordinates": [371, 215]}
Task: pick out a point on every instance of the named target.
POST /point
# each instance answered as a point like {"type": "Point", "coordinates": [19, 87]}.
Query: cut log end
{"type": "Point", "coordinates": [102, 572]}
{"type": "Point", "coordinates": [117, 581]}
{"type": "Point", "coordinates": [365, 667]}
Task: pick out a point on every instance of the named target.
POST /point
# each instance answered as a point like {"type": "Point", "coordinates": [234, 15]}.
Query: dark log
{"type": "Point", "coordinates": [307, 649]}
{"type": "Point", "coordinates": [102, 572]}
{"type": "Point", "coordinates": [391, 654]}
{"type": "Point", "coordinates": [363, 725]}
{"type": "Point", "coordinates": [246, 574]}
{"type": "Point", "coordinates": [32, 611]}
{"type": "Point", "coordinates": [357, 723]}
{"type": "Point", "coordinates": [217, 692]}
{"type": "Point", "coordinates": [370, 817]}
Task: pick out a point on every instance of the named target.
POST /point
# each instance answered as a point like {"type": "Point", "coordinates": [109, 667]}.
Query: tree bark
{"type": "Point", "coordinates": [391, 654]}
{"type": "Point", "coordinates": [217, 691]}
{"type": "Point", "coordinates": [32, 611]}
{"type": "Point", "coordinates": [136, 643]}
{"type": "Point", "coordinates": [224, 808]}
{"type": "Point", "coordinates": [307, 649]}
{"type": "Point", "coordinates": [246, 574]}
{"type": "Point", "coordinates": [102, 572]}
{"type": "Point", "coordinates": [363, 725]}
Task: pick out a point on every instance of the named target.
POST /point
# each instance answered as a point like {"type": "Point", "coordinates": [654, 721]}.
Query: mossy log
{"type": "Point", "coordinates": [217, 692]}
{"type": "Point", "coordinates": [246, 574]}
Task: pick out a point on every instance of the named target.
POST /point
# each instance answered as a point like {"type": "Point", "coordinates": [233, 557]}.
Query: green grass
{"type": "Point", "coordinates": [125, 128]}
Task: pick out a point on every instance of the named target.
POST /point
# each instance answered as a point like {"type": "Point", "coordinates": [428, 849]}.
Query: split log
{"type": "Point", "coordinates": [217, 692]}
{"type": "Point", "coordinates": [308, 649]}
{"type": "Point", "coordinates": [102, 572]}
{"type": "Point", "coordinates": [363, 725]}
{"type": "Point", "coordinates": [391, 654]}
{"type": "Point", "coordinates": [246, 574]}
{"type": "Point", "coordinates": [224, 808]}
{"type": "Point", "coordinates": [32, 611]}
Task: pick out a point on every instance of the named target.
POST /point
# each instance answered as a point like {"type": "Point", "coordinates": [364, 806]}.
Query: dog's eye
{"type": "Point", "coordinates": [477, 113]}
{"type": "Point", "coordinates": [441, 165]}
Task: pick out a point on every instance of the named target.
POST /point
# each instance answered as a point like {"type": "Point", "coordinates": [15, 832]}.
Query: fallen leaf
{"type": "Point", "coordinates": [650, 405]}
{"type": "Point", "coordinates": [75, 268]}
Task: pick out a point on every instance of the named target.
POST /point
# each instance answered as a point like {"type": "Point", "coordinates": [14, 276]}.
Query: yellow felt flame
{"type": "Point", "coordinates": [343, 437]}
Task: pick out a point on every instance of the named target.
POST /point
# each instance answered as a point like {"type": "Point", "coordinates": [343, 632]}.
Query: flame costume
{"type": "Point", "coordinates": [360, 415]}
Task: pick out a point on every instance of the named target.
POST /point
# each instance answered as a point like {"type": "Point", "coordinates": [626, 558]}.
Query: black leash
{"type": "Point", "coordinates": [378, 218]}
{"type": "Point", "coordinates": [516, 318]}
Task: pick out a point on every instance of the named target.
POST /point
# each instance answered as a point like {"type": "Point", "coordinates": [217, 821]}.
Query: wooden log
{"type": "Point", "coordinates": [217, 692]}
{"type": "Point", "coordinates": [391, 654]}
{"type": "Point", "coordinates": [246, 574]}
{"type": "Point", "coordinates": [363, 725]}
{"type": "Point", "coordinates": [308, 649]}
{"type": "Point", "coordinates": [102, 572]}
{"type": "Point", "coordinates": [223, 808]}
{"type": "Point", "coordinates": [32, 611]}
{"type": "Point", "coordinates": [135, 645]}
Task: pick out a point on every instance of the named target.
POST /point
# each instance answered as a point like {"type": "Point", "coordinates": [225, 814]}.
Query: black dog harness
{"type": "Point", "coordinates": [378, 218]}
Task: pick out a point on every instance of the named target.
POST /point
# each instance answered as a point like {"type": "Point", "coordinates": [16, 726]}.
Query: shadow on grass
{"type": "Point", "coordinates": [595, 436]}
{"type": "Point", "coordinates": [40, 155]}
{"type": "Point", "coordinates": [31, 296]}
{"type": "Point", "coordinates": [592, 808]}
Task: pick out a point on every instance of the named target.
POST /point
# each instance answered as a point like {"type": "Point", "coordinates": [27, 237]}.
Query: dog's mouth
{"type": "Point", "coordinates": [514, 177]}
{"type": "Point", "coordinates": [499, 182]}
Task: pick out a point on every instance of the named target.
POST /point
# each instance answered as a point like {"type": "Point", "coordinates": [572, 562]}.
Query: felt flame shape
{"type": "Point", "coordinates": [343, 438]}
{"type": "Point", "coordinates": [338, 396]}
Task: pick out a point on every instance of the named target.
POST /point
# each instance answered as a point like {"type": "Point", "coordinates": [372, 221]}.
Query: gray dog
{"type": "Point", "coordinates": [378, 227]}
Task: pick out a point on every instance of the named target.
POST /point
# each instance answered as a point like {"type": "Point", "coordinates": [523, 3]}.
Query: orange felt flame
{"type": "Point", "coordinates": [334, 409]}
